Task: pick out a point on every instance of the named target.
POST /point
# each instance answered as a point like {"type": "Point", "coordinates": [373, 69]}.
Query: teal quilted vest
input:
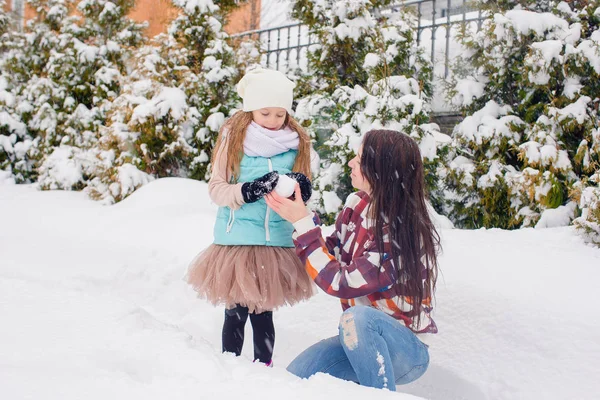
{"type": "Point", "coordinates": [255, 224]}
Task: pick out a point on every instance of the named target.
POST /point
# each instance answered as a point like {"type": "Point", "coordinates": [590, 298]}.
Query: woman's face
{"type": "Point", "coordinates": [358, 180]}
{"type": "Point", "coordinates": [270, 117]}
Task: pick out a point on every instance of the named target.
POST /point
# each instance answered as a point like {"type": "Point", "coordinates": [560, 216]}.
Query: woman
{"type": "Point", "coordinates": [381, 262]}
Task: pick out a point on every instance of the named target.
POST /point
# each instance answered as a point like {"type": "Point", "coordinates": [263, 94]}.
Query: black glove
{"type": "Point", "coordinates": [258, 188]}
{"type": "Point", "coordinates": [305, 185]}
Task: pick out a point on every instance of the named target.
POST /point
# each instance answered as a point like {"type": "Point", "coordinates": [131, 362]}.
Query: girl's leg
{"type": "Point", "coordinates": [327, 356]}
{"type": "Point", "coordinates": [233, 329]}
{"type": "Point", "coordinates": [264, 336]}
{"type": "Point", "coordinates": [381, 350]}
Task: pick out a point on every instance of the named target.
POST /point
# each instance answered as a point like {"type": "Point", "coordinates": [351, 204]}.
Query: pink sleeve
{"type": "Point", "coordinates": [221, 192]}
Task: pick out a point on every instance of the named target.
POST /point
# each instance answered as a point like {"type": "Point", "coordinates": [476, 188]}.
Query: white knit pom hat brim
{"type": "Point", "coordinates": [261, 88]}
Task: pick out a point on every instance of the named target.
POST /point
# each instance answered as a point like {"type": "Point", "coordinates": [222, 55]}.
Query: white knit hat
{"type": "Point", "coordinates": [262, 88]}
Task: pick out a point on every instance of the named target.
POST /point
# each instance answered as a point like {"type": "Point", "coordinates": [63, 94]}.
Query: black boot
{"type": "Point", "coordinates": [233, 329]}
{"type": "Point", "coordinates": [264, 336]}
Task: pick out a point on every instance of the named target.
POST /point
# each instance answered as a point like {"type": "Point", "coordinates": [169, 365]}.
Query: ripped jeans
{"type": "Point", "coordinates": [372, 349]}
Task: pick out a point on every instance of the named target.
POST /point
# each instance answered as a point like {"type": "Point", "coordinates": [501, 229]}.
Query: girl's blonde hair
{"type": "Point", "coordinates": [235, 129]}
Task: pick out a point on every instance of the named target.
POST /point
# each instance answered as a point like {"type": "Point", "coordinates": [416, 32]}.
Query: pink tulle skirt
{"type": "Point", "coordinates": [261, 278]}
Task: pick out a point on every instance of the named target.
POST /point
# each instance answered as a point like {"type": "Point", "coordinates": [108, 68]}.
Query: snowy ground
{"type": "Point", "coordinates": [93, 306]}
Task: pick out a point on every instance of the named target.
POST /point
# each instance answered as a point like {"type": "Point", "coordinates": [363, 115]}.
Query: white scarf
{"type": "Point", "coordinates": [263, 142]}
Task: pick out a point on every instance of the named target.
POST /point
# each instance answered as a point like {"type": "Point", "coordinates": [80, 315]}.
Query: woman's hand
{"type": "Point", "coordinates": [291, 210]}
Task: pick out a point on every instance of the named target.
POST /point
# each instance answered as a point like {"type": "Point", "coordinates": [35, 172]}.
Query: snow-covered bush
{"type": "Point", "coordinates": [214, 70]}
{"type": "Point", "coordinates": [64, 72]}
{"type": "Point", "coordinates": [145, 136]}
{"type": "Point", "coordinates": [4, 18]}
{"type": "Point", "coordinates": [588, 224]}
{"type": "Point", "coordinates": [90, 69]}
{"type": "Point", "coordinates": [19, 62]}
{"type": "Point", "coordinates": [179, 91]}
{"type": "Point", "coordinates": [15, 141]}
{"type": "Point", "coordinates": [367, 72]}
{"type": "Point", "coordinates": [530, 132]}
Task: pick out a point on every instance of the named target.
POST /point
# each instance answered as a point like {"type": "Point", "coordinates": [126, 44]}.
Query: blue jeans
{"type": "Point", "coordinates": [372, 349]}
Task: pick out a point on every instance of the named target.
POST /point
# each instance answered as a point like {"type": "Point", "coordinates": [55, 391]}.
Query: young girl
{"type": "Point", "coordinates": [252, 267]}
{"type": "Point", "coordinates": [381, 261]}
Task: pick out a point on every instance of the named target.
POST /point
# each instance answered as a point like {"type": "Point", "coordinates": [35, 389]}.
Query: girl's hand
{"type": "Point", "coordinates": [305, 185]}
{"type": "Point", "coordinates": [258, 188]}
{"type": "Point", "coordinates": [291, 210]}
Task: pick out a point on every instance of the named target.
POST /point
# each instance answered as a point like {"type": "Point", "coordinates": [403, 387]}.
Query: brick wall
{"type": "Point", "coordinates": [159, 13]}
{"type": "Point", "coordinates": [246, 18]}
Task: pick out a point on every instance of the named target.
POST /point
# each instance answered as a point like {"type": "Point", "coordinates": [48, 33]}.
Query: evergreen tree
{"type": "Point", "coordinates": [176, 98]}
{"type": "Point", "coordinates": [29, 95]}
{"type": "Point", "coordinates": [64, 71]}
{"type": "Point", "coordinates": [214, 70]}
{"type": "Point", "coordinates": [5, 21]}
{"type": "Point", "coordinates": [14, 140]}
{"type": "Point", "coordinates": [367, 72]}
{"type": "Point", "coordinates": [89, 67]}
{"type": "Point", "coordinates": [588, 224]}
{"type": "Point", "coordinates": [530, 133]}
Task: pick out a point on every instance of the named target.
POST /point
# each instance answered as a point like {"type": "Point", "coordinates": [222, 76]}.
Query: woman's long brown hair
{"type": "Point", "coordinates": [235, 133]}
{"type": "Point", "coordinates": [391, 163]}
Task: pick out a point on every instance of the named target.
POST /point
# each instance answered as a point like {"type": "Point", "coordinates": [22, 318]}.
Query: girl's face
{"type": "Point", "coordinates": [270, 117]}
{"type": "Point", "coordinates": [358, 179]}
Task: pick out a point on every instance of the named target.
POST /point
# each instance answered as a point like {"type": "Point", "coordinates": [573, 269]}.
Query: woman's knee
{"type": "Point", "coordinates": [352, 320]}
{"type": "Point", "coordinates": [298, 368]}
{"type": "Point", "coordinates": [413, 374]}
{"type": "Point", "coordinates": [319, 357]}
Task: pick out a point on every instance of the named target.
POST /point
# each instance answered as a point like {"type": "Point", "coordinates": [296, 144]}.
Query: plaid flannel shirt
{"type": "Point", "coordinates": [349, 265]}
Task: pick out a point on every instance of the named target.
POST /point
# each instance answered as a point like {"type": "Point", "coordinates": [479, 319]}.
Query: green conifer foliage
{"type": "Point", "coordinates": [588, 195]}
{"type": "Point", "coordinates": [367, 72]}
{"type": "Point", "coordinates": [64, 72]}
{"type": "Point", "coordinates": [530, 132]}
{"type": "Point", "coordinates": [14, 140]}
{"type": "Point", "coordinates": [29, 96]}
{"type": "Point", "coordinates": [179, 91]}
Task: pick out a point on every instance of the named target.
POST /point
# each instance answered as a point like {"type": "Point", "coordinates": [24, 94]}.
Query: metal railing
{"type": "Point", "coordinates": [18, 14]}
{"type": "Point", "coordinates": [286, 47]}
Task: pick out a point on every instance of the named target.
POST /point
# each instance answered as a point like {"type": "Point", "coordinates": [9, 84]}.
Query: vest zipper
{"type": "Point", "coordinates": [231, 220]}
{"type": "Point", "coordinates": [267, 233]}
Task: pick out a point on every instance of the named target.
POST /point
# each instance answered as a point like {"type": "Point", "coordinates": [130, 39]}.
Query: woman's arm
{"type": "Point", "coordinates": [221, 192]}
{"type": "Point", "coordinates": [332, 242]}
{"type": "Point", "coordinates": [361, 277]}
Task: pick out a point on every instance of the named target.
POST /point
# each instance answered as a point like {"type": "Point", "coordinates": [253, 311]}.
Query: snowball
{"type": "Point", "coordinates": [285, 186]}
